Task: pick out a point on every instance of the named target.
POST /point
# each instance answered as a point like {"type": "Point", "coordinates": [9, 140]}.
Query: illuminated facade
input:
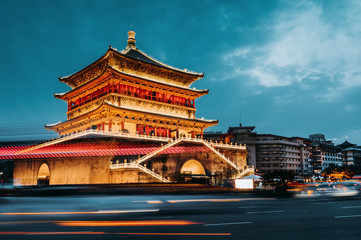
{"type": "Point", "coordinates": [130, 118]}
{"type": "Point", "coordinates": [130, 92]}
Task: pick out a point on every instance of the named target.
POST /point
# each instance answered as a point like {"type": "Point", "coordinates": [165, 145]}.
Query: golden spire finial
{"type": "Point", "coordinates": [131, 40]}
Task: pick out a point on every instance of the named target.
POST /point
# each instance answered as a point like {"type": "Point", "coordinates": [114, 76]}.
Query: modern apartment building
{"type": "Point", "coordinates": [268, 152]}
{"type": "Point", "coordinates": [274, 152]}
{"type": "Point", "coordinates": [324, 153]}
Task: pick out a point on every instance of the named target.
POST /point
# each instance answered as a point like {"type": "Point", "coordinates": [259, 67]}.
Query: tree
{"type": "Point", "coordinates": [334, 171]}
{"type": "Point", "coordinates": [282, 175]}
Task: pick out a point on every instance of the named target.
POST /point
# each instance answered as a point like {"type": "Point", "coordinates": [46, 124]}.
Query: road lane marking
{"type": "Point", "coordinates": [277, 211]}
{"type": "Point", "coordinates": [352, 207]}
{"type": "Point", "coordinates": [348, 216]}
{"type": "Point", "coordinates": [231, 223]}
{"type": "Point", "coordinates": [72, 213]}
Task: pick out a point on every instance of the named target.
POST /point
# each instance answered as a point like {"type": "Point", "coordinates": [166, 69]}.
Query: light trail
{"type": "Point", "coordinates": [317, 203]}
{"type": "Point", "coordinates": [348, 216]}
{"type": "Point", "coordinates": [50, 233]}
{"type": "Point", "coordinates": [277, 211]}
{"type": "Point", "coordinates": [125, 233]}
{"type": "Point", "coordinates": [247, 207]}
{"type": "Point", "coordinates": [222, 224]}
{"type": "Point", "coordinates": [179, 234]}
{"type": "Point", "coordinates": [25, 222]}
{"type": "Point", "coordinates": [75, 213]}
{"type": "Point", "coordinates": [218, 200]}
{"type": "Point", "coordinates": [352, 207]}
{"type": "Point", "coordinates": [125, 223]}
{"type": "Point", "coordinates": [149, 202]}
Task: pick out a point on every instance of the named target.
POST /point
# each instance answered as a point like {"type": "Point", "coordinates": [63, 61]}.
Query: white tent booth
{"type": "Point", "coordinates": [247, 183]}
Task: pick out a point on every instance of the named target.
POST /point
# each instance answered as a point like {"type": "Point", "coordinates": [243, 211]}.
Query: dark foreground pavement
{"type": "Point", "coordinates": [164, 216]}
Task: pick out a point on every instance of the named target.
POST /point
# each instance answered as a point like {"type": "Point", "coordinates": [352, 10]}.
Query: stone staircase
{"type": "Point", "coordinates": [246, 171]}
{"type": "Point", "coordinates": [134, 165]}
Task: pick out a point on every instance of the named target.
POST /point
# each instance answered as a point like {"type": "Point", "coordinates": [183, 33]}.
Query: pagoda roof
{"type": "Point", "coordinates": [140, 55]}
{"type": "Point", "coordinates": [133, 53]}
{"type": "Point", "coordinates": [346, 144]}
{"type": "Point", "coordinates": [107, 104]}
{"type": "Point", "coordinates": [198, 92]}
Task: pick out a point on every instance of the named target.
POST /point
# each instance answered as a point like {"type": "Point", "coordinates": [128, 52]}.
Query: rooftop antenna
{"type": "Point", "coordinates": [240, 118]}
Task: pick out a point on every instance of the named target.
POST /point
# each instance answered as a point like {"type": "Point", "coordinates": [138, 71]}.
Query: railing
{"type": "Point", "coordinates": [152, 154]}
{"type": "Point", "coordinates": [171, 141]}
{"type": "Point", "coordinates": [225, 145]}
{"type": "Point", "coordinates": [174, 142]}
{"type": "Point", "coordinates": [198, 140]}
{"type": "Point", "coordinates": [64, 138]}
{"type": "Point", "coordinates": [221, 155]}
{"type": "Point", "coordinates": [153, 174]}
{"type": "Point", "coordinates": [134, 165]}
{"type": "Point", "coordinates": [123, 165]}
{"type": "Point", "coordinates": [246, 171]}
{"type": "Point", "coordinates": [127, 90]}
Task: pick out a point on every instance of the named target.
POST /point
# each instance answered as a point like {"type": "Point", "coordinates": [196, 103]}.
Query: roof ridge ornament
{"type": "Point", "coordinates": [131, 40]}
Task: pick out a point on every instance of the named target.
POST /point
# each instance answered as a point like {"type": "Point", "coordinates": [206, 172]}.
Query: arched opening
{"type": "Point", "coordinates": [193, 167]}
{"type": "Point", "coordinates": [44, 174]}
{"type": "Point", "coordinates": [193, 171]}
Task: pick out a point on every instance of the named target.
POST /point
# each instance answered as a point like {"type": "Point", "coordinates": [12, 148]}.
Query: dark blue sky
{"type": "Point", "coordinates": [290, 68]}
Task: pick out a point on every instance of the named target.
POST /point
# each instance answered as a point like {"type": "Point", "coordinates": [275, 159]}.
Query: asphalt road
{"type": "Point", "coordinates": [180, 217]}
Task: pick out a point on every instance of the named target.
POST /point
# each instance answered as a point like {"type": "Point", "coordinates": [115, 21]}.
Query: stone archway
{"type": "Point", "coordinates": [43, 175]}
{"type": "Point", "coordinates": [193, 167]}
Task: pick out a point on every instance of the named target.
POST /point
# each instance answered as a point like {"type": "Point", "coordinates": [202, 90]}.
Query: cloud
{"type": "Point", "coordinates": [236, 54]}
{"type": "Point", "coordinates": [307, 45]}
{"type": "Point", "coordinates": [350, 108]}
{"type": "Point", "coordinates": [352, 136]}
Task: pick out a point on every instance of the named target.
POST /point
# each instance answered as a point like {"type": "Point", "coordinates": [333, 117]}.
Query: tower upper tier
{"type": "Point", "coordinates": [132, 61]}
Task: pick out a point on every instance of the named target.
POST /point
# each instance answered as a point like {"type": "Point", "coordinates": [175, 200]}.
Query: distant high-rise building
{"type": "Point", "coordinates": [318, 137]}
